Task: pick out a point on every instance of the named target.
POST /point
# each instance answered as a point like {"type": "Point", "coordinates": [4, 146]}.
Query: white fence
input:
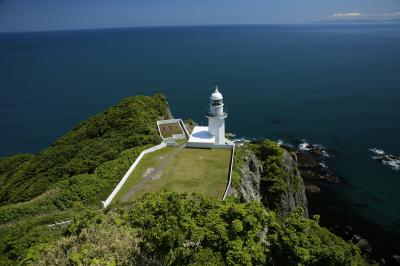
{"type": "Point", "coordinates": [128, 173]}
{"type": "Point", "coordinates": [230, 143]}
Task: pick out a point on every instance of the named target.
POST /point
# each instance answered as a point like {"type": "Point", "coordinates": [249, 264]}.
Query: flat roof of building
{"type": "Point", "coordinates": [201, 135]}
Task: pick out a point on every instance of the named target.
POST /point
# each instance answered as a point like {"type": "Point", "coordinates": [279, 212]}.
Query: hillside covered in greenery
{"type": "Point", "coordinates": [83, 164]}
{"type": "Point", "coordinates": [67, 181]}
{"type": "Point", "coordinates": [180, 229]}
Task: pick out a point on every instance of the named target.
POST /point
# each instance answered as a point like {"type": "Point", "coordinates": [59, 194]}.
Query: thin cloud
{"type": "Point", "coordinates": [392, 14]}
{"type": "Point", "coordinates": [360, 16]}
{"type": "Point", "coordinates": [344, 15]}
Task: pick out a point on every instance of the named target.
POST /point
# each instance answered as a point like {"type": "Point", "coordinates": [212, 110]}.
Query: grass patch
{"type": "Point", "coordinates": [148, 160]}
{"type": "Point", "coordinates": [167, 130]}
{"type": "Point", "coordinates": [186, 170]}
{"type": "Point", "coordinates": [181, 141]}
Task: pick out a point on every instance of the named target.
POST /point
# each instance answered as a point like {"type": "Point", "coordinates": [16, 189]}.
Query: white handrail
{"type": "Point", "coordinates": [128, 173]}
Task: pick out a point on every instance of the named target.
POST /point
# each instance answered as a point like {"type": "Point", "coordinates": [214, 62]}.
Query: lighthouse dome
{"type": "Point", "coordinates": [216, 95]}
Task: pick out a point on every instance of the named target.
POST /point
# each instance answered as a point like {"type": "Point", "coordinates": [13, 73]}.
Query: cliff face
{"type": "Point", "coordinates": [295, 196]}
{"type": "Point", "coordinates": [250, 173]}
{"type": "Point", "coordinates": [252, 187]}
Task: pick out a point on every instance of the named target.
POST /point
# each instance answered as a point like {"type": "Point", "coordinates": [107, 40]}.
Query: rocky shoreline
{"type": "Point", "coordinates": [377, 245]}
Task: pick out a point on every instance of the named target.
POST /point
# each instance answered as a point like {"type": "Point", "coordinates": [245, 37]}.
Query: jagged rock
{"type": "Point", "coordinates": [306, 161]}
{"type": "Point", "coordinates": [364, 245]}
{"type": "Point", "coordinates": [312, 189]}
{"type": "Point", "coordinates": [295, 196]}
{"type": "Point", "coordinates": [249, 188]}
{"type": "Point", "coordinates": [396, 257]}
{"type": "Point", "coordinates": [313, 168]}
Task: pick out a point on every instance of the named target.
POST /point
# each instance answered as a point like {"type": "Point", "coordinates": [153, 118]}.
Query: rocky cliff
{"type": "Point", "coordinates": [295, 196]}
{"type": "Point", "coordinates": [251, 184]}
{"type": "Point", "coordinates": [249, 174]}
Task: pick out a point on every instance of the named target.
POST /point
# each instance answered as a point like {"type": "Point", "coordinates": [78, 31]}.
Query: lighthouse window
{"type": "Point", "coordinates": [216, 102]}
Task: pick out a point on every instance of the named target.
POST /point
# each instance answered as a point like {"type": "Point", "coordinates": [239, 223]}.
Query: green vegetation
{"type": "Point", "coordinates": [150, 160]}
{"type": "Point", "coordinates": [241, 154]}
{"type": "Point", "coordinates": [101, 138]}
{"type": "Point", "coordinates": [275, 178]}
{"type": "Point", "coordinates": [180, 229]}
{"type": "Point", "coordinates": [181, 170]}
{"type": "Point", "coordinates": [167, 130]}
{"type": "Point", "coordinates": [67, 181]}
{"type": "Point", "coordinates": [79, 169]}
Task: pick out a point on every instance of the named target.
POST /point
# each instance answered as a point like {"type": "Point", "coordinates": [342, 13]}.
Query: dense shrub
{"type": "Point", "coordinates": [180, 229]}
{"type": "Point", "coordinates": [88, 189]}
{"type": "Point", "coordinates": [302, 241]}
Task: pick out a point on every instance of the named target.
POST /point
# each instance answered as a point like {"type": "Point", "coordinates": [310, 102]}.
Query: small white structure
{"type": "Point", "coordinates": [212, 136]}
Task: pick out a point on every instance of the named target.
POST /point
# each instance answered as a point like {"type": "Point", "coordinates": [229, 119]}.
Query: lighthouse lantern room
{"type": "Point", "coordinates": [216, 117]}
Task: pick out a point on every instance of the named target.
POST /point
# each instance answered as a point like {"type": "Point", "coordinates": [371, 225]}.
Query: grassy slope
{"type": "Point", "coordinates": [191, 170]}
{"type": "Point", "coordinates": [149, 160]}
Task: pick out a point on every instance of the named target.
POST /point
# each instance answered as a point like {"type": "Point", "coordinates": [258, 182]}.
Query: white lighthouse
{"type": "Point", "coordinates": [216, 117]}
{"type": "Point", "coordinates": [212, 136]}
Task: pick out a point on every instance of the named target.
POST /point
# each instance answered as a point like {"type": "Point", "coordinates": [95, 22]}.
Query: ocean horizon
{"type": "Point", "coordinates": [336, 85]}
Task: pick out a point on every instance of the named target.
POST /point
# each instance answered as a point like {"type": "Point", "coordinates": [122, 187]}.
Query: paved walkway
{"type": "Point", "coordinates": [153, 174]}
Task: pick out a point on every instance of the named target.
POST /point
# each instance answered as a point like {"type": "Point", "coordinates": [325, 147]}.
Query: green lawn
{"type": "Point", "coordinates": [149, 160]}
{"type": "Point", "coordinates": [181, 170]}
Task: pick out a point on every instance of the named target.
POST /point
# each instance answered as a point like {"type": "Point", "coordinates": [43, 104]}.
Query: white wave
{"type": "Point", "coordinates": [394, 164]}
{"type": "Point", "coordinates": [304, 146]}
{"type": "Point", "coordinates": [377, 151]}
{"type": "Point", "coordinates": [239, 140]}
{"type": "Point", "coordinates": [323, 165]}
{"type": "Point", "coordinates": [390, 160]}
{"type": "Point", "coordinates": [283, 143]}
{"type": "Point", "coordinates": [325, 154]}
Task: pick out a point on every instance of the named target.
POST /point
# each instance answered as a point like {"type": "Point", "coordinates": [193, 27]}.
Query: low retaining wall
{"type": "Point", "coordinates": [208, 145]}
{"type": "Point", "coordinates": [172, 121]}
{"type": "Point", "coordinates": [183, 126]}
{"type": "Point", "coordinates": [128, 173]}
{"type": "Point", "coordinates": [179, 136]}
{"type": "Point", "coordinates": [168, 121]}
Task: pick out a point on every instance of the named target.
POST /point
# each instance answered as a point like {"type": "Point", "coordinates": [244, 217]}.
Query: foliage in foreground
{"type": "Point", "coordinates": [180, 229]}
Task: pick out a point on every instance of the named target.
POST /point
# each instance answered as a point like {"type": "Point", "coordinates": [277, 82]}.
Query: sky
{"type": "Point", "coordinates": [41, 15]}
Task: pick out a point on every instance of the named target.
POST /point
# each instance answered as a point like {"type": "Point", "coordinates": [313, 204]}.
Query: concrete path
{"type": "Point", "coordinates": [152, 174]}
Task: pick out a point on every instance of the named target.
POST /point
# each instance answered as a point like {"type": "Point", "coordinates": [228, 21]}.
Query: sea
{"type": "Point", "coordinates": [336, 85]}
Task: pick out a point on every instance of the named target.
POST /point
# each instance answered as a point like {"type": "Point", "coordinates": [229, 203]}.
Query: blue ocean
{"type": "Point", "coordinates": [337, 85]}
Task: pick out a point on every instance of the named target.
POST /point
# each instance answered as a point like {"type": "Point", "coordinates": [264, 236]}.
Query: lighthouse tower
{"type": "Point", "coordinates": [216, 117]}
